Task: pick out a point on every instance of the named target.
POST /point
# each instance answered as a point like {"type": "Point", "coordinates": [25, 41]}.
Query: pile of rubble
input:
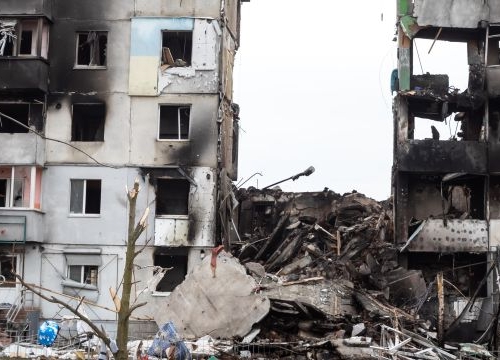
{"type": "Point", "coordinates": [312, 275]}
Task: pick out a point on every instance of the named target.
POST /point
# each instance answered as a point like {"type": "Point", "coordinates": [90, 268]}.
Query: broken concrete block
{"type": "Point", "coordinates": [256, 269]}
{"type": "Point", "coordinates": [358, 329]}
{"type": "Point", "coordinates": [358, 341]}
{"type": "Point", "coordinates": [223, 306]}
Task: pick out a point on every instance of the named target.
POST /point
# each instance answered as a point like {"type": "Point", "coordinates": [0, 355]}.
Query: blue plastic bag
{"type": "Point", "coordinates": [47, 333]}
{"type": "Point", "coordinates": [165, 338]}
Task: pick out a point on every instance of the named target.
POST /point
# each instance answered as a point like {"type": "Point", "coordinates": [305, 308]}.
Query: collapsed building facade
{"type": "Point", "coordinates": [446, 204]}
{"type": "Point", "coordinates": [96, 94]}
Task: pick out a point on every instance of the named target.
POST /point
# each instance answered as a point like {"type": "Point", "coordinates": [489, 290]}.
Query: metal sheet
{"type": "Point", "coordinates": [171, 232]}
{"type": "Point", "coordinates": [456, 236]}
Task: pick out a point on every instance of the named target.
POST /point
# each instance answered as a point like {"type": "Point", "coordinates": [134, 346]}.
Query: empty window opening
{"type": "Point", "coordinates": [85, 197]}
{"type": "Point", "coordinates": [455, 52]}
{"type": "Point", "coordinates": [17, 111]}
{"type": "Point", "coordinates": [7, 269]}
{"type": "Point", "coordinates": [27, 45]}
{"type": "Point", "coordinates": [91, 49]}
{"type": "Point", "coordinates": [493, 51]}
{"type": "Point", "coordinates": [457, 126]}
{"type": "Point", "coordinates": [84, 274]}
{"type": "Point", "coordinates": [177, 47]}
{"type": "Point", "coordinates": [172, 197]}
{"type": "Point", "coordinates": [494, 194]}
{"type": "Point", "coordinates": [88, 122]}
{"type": "Point", "coordinates": [174, 122]}
{"type": "Point", "coordinates": [176, 259]}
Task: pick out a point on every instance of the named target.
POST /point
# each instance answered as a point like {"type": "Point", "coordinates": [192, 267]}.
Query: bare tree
{"type": "Point", "coordinates": [126, 308]}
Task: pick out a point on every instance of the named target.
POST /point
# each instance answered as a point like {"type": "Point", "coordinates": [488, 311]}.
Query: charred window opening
{"type": "Point", "coordinates": [85, 197]}
{"type": "Point", "coordinates": [91, 48]}
{"type": "Point", "coordinates": [464, 125]}
{"type": "Point", "coordinates": [493, 51]}
{"type": "Point", "coordinates": [494, 197]}
{"type": "Point", "coordinates": [174, 122]}
{"type": "Point", "coordinates": [175, 258]}
{"type": "Point", "coordinates": [88, 122]}
{"type": "Point", "coordinates": [7, 270]}
{"type": "Point", "coordinates": [172, 197]}
{"type": "Point", "coordinates": [18, 111]}
{"type": "Point", "coordinates": [464, 270]}
{"type": "Point", "coordinates": [263, 218]}
{"type": "Point", "coordinates": [177, 48]}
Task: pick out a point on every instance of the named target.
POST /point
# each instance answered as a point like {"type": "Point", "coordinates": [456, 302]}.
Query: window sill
{"type": "Point", "coordinates": [89, 67]}
{"type": "Point", "coordinates": [173, 140]}
{"type": "Point", "coordinates": [84, 215]}
{"type": "Point", "coordinates": [161, 293]}
{"type": "Point", "coordinates": [22, 209]}
{"type": "Point", "coordinates": [77, 285]}
{"type": "Point", "coordinates": [176, 217]}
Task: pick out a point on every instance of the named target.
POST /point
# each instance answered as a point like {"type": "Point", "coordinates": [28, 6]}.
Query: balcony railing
{"type": "Point", "coordinates": [20, 225]}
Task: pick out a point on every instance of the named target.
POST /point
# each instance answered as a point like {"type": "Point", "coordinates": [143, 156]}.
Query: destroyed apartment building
{"type": "Point", "coordinates": [94, 94]}
{"type": "Point", "coordinates": [143, 89]}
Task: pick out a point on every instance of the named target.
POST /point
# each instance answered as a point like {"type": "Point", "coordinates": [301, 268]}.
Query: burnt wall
{"type": "Point", "coordinates": [431, 156]}
{"type": "Point", "coordinates": [65, 76]}
{"type": "Point", "coordinates": [26, 7]}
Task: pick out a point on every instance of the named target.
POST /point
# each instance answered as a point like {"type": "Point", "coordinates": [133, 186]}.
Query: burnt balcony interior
{"type": "Point", "coordinates": [447, 197]}
{"type": "Point", "coordinates": [442, 106]}
{"type": "Point", "coordinates": [28, 111]}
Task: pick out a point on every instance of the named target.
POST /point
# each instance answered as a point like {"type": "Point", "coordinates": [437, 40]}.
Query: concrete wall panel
{"type": "Point", "coordinates": [199, 150]}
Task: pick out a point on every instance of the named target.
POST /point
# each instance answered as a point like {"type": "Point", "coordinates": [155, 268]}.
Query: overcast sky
{"type": "Point", "coordinates": [313, 82]}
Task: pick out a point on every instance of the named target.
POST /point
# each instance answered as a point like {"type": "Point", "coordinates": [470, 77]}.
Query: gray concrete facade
{"type": "Point", "coordinates": [72, 189]}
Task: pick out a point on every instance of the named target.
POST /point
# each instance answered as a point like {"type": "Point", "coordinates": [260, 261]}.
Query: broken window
{"type": "Point", "coordinates": [172, 197]}
{"type": "Point", "coordinates": [91, 48]}
{"type": "Point", "coordinates": [88, 122]}
{"type": "Point", "coordinates": [85, 197]}
{"type": "Point", "coordinates": [17, 111]}
{"type": "Point", "coordinates": [7, 269]}
{"type": "Point", "coordinates": [175, 258]}
{"type": "Point", "coordinates": [177, 48]}
{"type": "Point", "coordinates": [21, 37]}
{"type": "Point", "coordinates": [20, 186]}
{"type": "Point", "coordinates": [174, 122]}
{"type": "Point", "coordinates": [84, 274]}
{"type": "Point", "coordinates": [7, 36]}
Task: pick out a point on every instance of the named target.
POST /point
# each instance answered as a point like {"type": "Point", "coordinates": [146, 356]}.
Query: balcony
{"type": "Point", "coordinates": [23, 74]}
{"type": "Point", "coordinates": [171, 231]}
{"type": "Point", "coordinates": [433, 156]}
{"type": "Point", "coordinates": [25, 148]}
{"type": "Point", "coordinates": [18, 226]}
{"type": "Point", "coordinates": [27, 7]}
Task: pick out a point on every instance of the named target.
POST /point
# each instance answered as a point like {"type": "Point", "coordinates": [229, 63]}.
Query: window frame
{"type": "Point", "coordinates": [179, 132]}
{"type": "Point", "coordinates": [173, 57]}
{"type": "Point", "coordinates": [77, 66]}
{"type": "Point", "coordinates": [84, 199]}
{"type": "Point", "coordinates": [82, 274]}
{"type": "Point", "coordinates": [73, 120]}
{"type": "Point", "coordinates": [172, 215]}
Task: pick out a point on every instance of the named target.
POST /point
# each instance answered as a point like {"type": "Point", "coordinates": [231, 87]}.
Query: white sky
{"type": "Point", "coordinates": [312, 79]}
